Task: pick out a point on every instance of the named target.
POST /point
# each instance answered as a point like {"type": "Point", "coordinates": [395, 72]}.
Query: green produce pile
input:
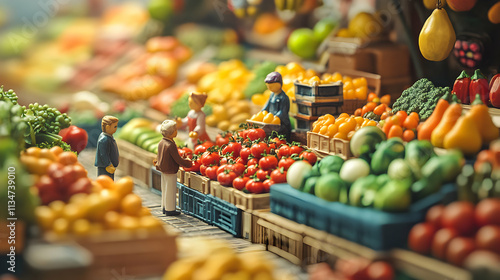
{"type": "Point", "coordinates": [36, 125]}
{"type": "Point", "coordinates": [390, 179]}
{"type": "Point", "coordinates": [257, 85]}
{"type": "Point", "coordinates": [421, 97]}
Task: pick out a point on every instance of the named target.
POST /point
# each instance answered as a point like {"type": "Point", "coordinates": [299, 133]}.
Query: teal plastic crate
{"type": "Point", "coordinates": [194, 203]}
{"type": "Point", "coordinates": [225, 215]}
{"type": "Point", "coordinates": [370, 227]}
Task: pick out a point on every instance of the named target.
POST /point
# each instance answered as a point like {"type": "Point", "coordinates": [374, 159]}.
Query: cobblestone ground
{"type": "Point", "coordinates": [191, 227]}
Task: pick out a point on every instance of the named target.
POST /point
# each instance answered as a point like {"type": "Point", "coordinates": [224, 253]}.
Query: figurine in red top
{"type": "Point", "coordinates": [195, 119]}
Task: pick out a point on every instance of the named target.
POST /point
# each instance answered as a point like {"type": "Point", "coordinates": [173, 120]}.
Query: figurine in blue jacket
{"type": "Point", "coordinates": [278, 103]}
{"type": "Point", "coordinates": [106, 157]}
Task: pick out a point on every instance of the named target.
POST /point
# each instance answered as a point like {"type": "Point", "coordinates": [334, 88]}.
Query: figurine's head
{"type": "Point", "coordinates": [274, 81]}
{"type": "Point", "coordinates": [197, 100]}
{"type": "Point", "coordinates": [169, 129]}
{"type": "Point", "coordinates": [109, 124]}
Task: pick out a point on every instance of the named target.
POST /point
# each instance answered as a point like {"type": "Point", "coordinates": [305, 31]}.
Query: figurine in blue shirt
{"type": "Point", "coordinates": [106, 158]}
{"type": "Point", "coordinates": [278, 103]}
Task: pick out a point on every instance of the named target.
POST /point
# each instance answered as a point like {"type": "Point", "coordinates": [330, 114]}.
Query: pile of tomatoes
{"type": "Point", "coordinates": [456, 231]}
{"type": "Point", "coordinates": [247, 160]}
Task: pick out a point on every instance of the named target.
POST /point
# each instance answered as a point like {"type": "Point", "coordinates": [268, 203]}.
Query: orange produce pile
{"type": "Point", "coordinates": [265, 117]}
{"type": "Point", "coordinates": [352, 88]}
{"type": "Point", "coordinates": [343, 127]}
{"type": "Point", "coordinates": [401, 125]}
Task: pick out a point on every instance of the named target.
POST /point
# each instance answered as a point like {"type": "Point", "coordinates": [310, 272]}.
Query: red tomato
{"type": "Point", "coordinates": [488, 212]}
{"type": "Point", "coordinates": [434, 215]}
{"type": "Point", "coordinates": [222, 139]}
{"type": "Point", "coordinates": [268, 162]}
{"type": "Point", "coordinates": [353, 268]}
{"type": "Point", "coordinates": [195, 166]}
{"type": "Point", "coordinates": [243, 133]}
{"type": "Point", "coordinates": [232, 149]}
{"type": "Point", "coordinates": [82, 185]}
{"type": "Point", "coordinates": [285, 163]}
{"type": "Point", "coordinates": [245, 152]}
{"type": "Point", "coordinates": [211, 172]}
{"type": "Point", "coordinates": [262, 174]}
{"type": "Point", "coordinates": [251, 170]}
{"type": "Point", "coordinates": [238, 168]}
{"type": "Point", "coordinates": [240, 160]}
{"type": "Point", "coordinates": [488, 238]}
{"type": "Point", "coordinates": [252, 161]}
{"type": "Point", "coordinates": [283, 151]}
{"type": "Point", "coordinates": [380, 271]}
{"type": "Point", "coordinates": [76, 137]}
{"type": "Point", "coordinates": [258, 149]}
{"type": "Point", "coordinates": [460, 216]}
{"type": "Point", "coordinates": [254, 186]}
{"type": "Point", "coordinates": [64, 177]}
{"type": "Point", "coordinates": [276, 142]}
{"type": "Point", "coordinates": [240, 182]}
{"type": "Point", "coordinates": [256, 134]}
{"type": "Point", "coordinates": [441, 240]}
{"type": "Point", "coordinates": [221, 168]}
{"type": "Point", "coordinates": [185, 152]}
{"type": "Point", "coordinates": [458, 250]}
{"type": "Point", "coordinates": [199, 149]}
{"type": "Point", "coordinates": [296, 149]}
{"type": "Point", "coordinates": [420, 237]}
{"type": "Point", "coordinates": [223, 161]}
{"type": "Point", "coordinates": [267, 185]}
{"type": "Point", "coordinates": [203, 170]}
{"type": "Point", "coordinates": [309, 156]}
{"type": "Point", "coordinates": [226, 178]}
{"type": "Point", "coordinates": [278, 175]}
{"type": "Point", "coordinates": [209, 158]}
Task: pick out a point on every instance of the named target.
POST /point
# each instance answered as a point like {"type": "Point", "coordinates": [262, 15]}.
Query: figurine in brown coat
{"type": "Point", "coordinates": [168, 161]}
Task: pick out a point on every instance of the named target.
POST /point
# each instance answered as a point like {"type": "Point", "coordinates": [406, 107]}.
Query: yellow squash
{"type": "Point", "coordinates": [482, 118]}
{"type": "Point", "coordinates": [464, 136]}
{"type": "Point", "coordinates": [437, 36]}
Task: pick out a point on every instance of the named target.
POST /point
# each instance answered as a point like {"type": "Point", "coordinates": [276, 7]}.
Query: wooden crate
{"type": "Point", "coordinates": [222, 192]}
{"type": "Point", "coordinates": [249, 224]}
{"type": "Point", "coordinates": [140, 161]}
{"type": "Point", "coordinates": [181, 176]}
{"type": "Point", "coordinates": [250, 201]}
{"type": "Point", "coordinates": [281, 236]}
{"type": "Point", "coordinates": [197, 182]}
{"type": "Point", "coordinates": [423, 267]}
{"type": "Point", "coordinates": [304, 122]}
{"type": "Point", "coordinates": [328, 146]}
{"type": "Point", "coordinates": [341, 148]}
{"type": "Point", "coordinates": [319, 92]}
{"type": "Point", "coordinates": [131, 253]}
{"type": "Point", "coordinates": [317, 109]}
{"type": "Point", "coordinates": [318, 142]}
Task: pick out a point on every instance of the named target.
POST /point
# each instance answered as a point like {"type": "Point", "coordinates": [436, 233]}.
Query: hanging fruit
{"type": "Point", "coordinates": [431, 4]}
{"type": "Point", "coordinates": [494, 13]}
{"type": "Point", "coordinates": [461, 5]}
{"type": "Point", "coordinates": [437, 37]}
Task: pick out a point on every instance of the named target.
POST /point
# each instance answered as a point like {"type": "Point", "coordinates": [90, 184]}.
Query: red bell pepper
{"type": "Point", "coordinates": [76, 137]}
{"type": "Point", "coordinates": [495, 91]}
{"type": "Point", "coordinates": [479, 85]}
{"type": "Point", "coordinates": [461, 87]}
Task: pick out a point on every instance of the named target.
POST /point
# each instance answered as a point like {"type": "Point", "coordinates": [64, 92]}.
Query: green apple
{"type": "Point", "coordinates": [323, 28]}
{"type": "Point", "coordinates": [303, 43]}
{"type": "Point", "coordinates": [160, 9]}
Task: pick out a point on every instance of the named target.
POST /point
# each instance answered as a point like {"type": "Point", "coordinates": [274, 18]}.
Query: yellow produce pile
{"type": "Point", "coordinates": [111, 205]}
{"type": "Point", "coordinates": [227, 83]}
{"type": "Point", "coordinates": [343, 127]}
{"type": "Point", "coordinates": [290, 72]}
{"type": "Point", "coordinates": [215, 260]}
{"type": "Point", "coordinates": [265, 117]}
{"type": "Point", "coordinates": [229, 115]}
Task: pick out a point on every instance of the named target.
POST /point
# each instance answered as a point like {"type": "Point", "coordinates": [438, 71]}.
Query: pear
{"type": "Point", "coordinates": [437, 36]}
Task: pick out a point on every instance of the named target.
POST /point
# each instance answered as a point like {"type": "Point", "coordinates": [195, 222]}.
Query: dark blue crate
{"type": "Point", "coordinates": [194, 203]}
{"type": "Point", "coordinates": [375, 229]}
{"type": "Point", "coordinates": [225, 215]}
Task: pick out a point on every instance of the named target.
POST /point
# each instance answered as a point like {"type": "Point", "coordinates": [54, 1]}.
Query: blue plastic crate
{"type": "Point", "coordinates": [373, 228]}
{"type": "Point", "coordinates": [225, 215]}
{"type": "Point", "coordinates": [194, 203]}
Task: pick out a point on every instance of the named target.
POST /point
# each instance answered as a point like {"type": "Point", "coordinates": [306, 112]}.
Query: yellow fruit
{"type": "Point", "coordinates": [313, 80]}
{"type": "Point", "coordinates": [348, 85]}
{"type": "Point", "coordinates": [340, 135]}
{"type": "Point", "coordinates": [332, 130]}
{"type": "Point", "coordinates": [129, 223]}
{"type": "Point", "coordinates": [223, 125]}
{"type": "Point", "coordinates": [60, 226]}
{"type": "Point", "coordinates": [124, 186]}
{"type": "Point", "coordinates": [268, 118]}
{"type": "Point", "coordinates": [294, 68]}
{"type": "Point", "coordinates": [111, 198]}
{"type": "Point", "coordinates": [112, 220]}
{"type": "Point", "coordinates": [220, 112]}
{"type": "Point", "coordinates": [46, 153]}
{"type": "Point", "coordinates": [344, 33]}
{"type": "Point", "coordinates": [78, 198]}
{"type": "Point", "coordinates": [276, 120]}
{"type": "Point", "coordinates": [211, 120]}
{"type": "Point", "coordinates": [131, 204]}
{"type": "Point", "coordinates": [45, 217]}
{"type": "Point", "coordinates": [323, 130]}
{"type": "Point", "coordinates": [346, 79]}
{"type": "Point", "coordinates": [350, 94]}
{"type": "Point", "coordinates": [81, 227]}
{"type": "Point", "coordinates": [337, 77]}
{"type": "Point", "coordinates": [57, 207]}
{"type": "Point", "coordinates": [494, 13]}
{"type": "Point", "coordinates": [97, 207]}
{"type": "Point", "coordinates": [361, 93]}
{"type": "Point", "coordinates": [73, 212]}
{"type": "Point", "coordinates": [365, 25]}
{"type": "Point", "coordinates": [360, 82]}
{"type": "Point", "coordinates": [437, 37]}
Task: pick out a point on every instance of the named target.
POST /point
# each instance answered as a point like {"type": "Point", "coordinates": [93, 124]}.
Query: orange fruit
{"type": "Point", "coordinates": [340, 135]}
{"type": "Point", "coordinates": [337, 77]}
{"type": "Point", "coordinates": [359, 120]}
{"type": "Point", "coordinates": [410, 123]}
{"type": "Point", "coordinates": [372, 96]}
{"type": "Point", "coordinates": [402, 116]}
{"type": "Point", "coordinates": [408, 135]}
{"type": "Point", "coordinates": [350, 134]}
{"type": "Point", "coordinates": [360, 93]}
{"type": "Point", "coordinates": [73, 212]}
{"type": "Point", "coordinates": [46, 153]}
{"type": "Point", "coordinates": [332, 130]}
{"type": "Point", "coordinates": [81, 227]}
{"type": "Point", "coordinates": [112, 220]}
{"type": "Point", "coordinates": [357, 112]}
{"type": "Point", "coordinates": [57, 207]}
{"type": "Point", "coordinates": [323, 130]}
{"type": "Point", "coordinates": [268, 118]}
{"type": "Point", "coordinates": [379, 110]}
{"type": "Point", "coordinates": [124, 186]}
{"type": "Point", "coordinates": [68, 158]}
{"type": "Point", "coordinates": [360, 82]}
{"type": "Point", "coordinates": [131, 204]}
{"type": "Point", "coordinates": [33, 151]}
{"type": "Point", "coordinates": [276, 120]}
{"type": "Point", "coordinates": [348, 86]}
{"type": "Point", "coordinates": [415, 116]}
{"type": "Point", "coordinates": [329, 121]}
{"type": "Point", "coordinates": [395, 131]}
{"type": "Point", "coordinates": [56, 150]}
{"type": "Point", "coordinates": [344, 115]}
{"type": "Point", "coordinates": [371, 123]}
{"type": "Point", "coordinates": [111, 198]}
{"type": "Point", "coordinates": [129, 223]}
{"type": "Point", "coordinates": [346, 79]}
{"type": "Point", "coordinates": [105, 182]}
{"type": "Point", "coordinates": [370, 106]}
{"type": "Point", "coordinates": [386, 99]}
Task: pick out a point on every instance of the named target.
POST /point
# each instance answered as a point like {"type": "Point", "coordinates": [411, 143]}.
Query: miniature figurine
{"type": "Point", "coordinates": [106, 158]}
{"type": "Point", "coordinates": [195, 119]}
{"type": "Point", "coordinates": [278, 103]}
{"type": "Point", "coordinates": [168, 161]}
